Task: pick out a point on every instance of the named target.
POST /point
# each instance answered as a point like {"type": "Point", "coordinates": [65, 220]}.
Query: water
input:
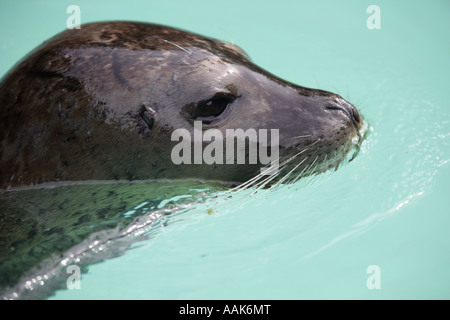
{"type": "Point", "coordinates": [389, 207]}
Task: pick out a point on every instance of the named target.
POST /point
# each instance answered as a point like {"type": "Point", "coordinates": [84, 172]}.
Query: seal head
{"type": "Point", "coordinates": [102, 103]}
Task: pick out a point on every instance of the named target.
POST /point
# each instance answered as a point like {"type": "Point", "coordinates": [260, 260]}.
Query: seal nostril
{"type": "Point", "coordinates": [349, 110]}
{"type": "Point", "coordinates": [355, 115]}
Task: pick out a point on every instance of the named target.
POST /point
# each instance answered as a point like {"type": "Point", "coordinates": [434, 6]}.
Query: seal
{"type": "Point", "coordinates": [101, 103]}
{"type": "Point", "coordinates": [88, 120]}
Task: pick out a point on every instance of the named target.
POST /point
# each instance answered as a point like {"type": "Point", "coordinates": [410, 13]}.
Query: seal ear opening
{"type": "Point", "coordinates": [147, 115]}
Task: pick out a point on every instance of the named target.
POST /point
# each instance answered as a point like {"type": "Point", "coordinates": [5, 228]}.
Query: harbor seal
{"type": "Point", "coordinates": [101, 103]}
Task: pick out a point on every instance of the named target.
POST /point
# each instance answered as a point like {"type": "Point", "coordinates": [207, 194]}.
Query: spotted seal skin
{"type": "Point", "coordinates": [101, 103]}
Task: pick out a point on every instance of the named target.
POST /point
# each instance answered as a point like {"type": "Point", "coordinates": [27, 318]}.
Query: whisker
{"type": "Point", "coordinates": [309, 175]}
{"type": "Point", "coordinates": [253, 182]}
{"type": "Point", "coordinates": [245, 184]}
{"type": "Point", "coordinates": [284, 177]}
{"type": "Point", "coordinates": [289, 173]}
{"type": "Point", "coordinates": [260, 181]}
{"type": "Point", "coordinates": [258, 177]}
{"type": "Point", "coordinates": [325, 158]}
{"type": "Point", "coordinates": [179, 47]}
{"type": "Point", "coordinates": [299, 176]}
{"type": "Point", "coordinates": [281, 167]}
{"type": "Point", "coordinates": [293, 157]}
{"type": "Point", "coordinates": [264, 183]}
{"type": "Point", "coordinates": [305, 136]}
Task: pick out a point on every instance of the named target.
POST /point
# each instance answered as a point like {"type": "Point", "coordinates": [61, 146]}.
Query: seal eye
{"type": "Point", "coordinates": [213, 107]}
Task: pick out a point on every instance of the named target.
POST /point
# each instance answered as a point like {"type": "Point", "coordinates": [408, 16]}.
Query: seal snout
{"type": "Point", "coordinates": [346, 108]}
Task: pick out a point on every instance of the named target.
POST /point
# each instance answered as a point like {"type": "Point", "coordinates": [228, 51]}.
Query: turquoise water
{"type": "Point", "coordinates": [389, 207]}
